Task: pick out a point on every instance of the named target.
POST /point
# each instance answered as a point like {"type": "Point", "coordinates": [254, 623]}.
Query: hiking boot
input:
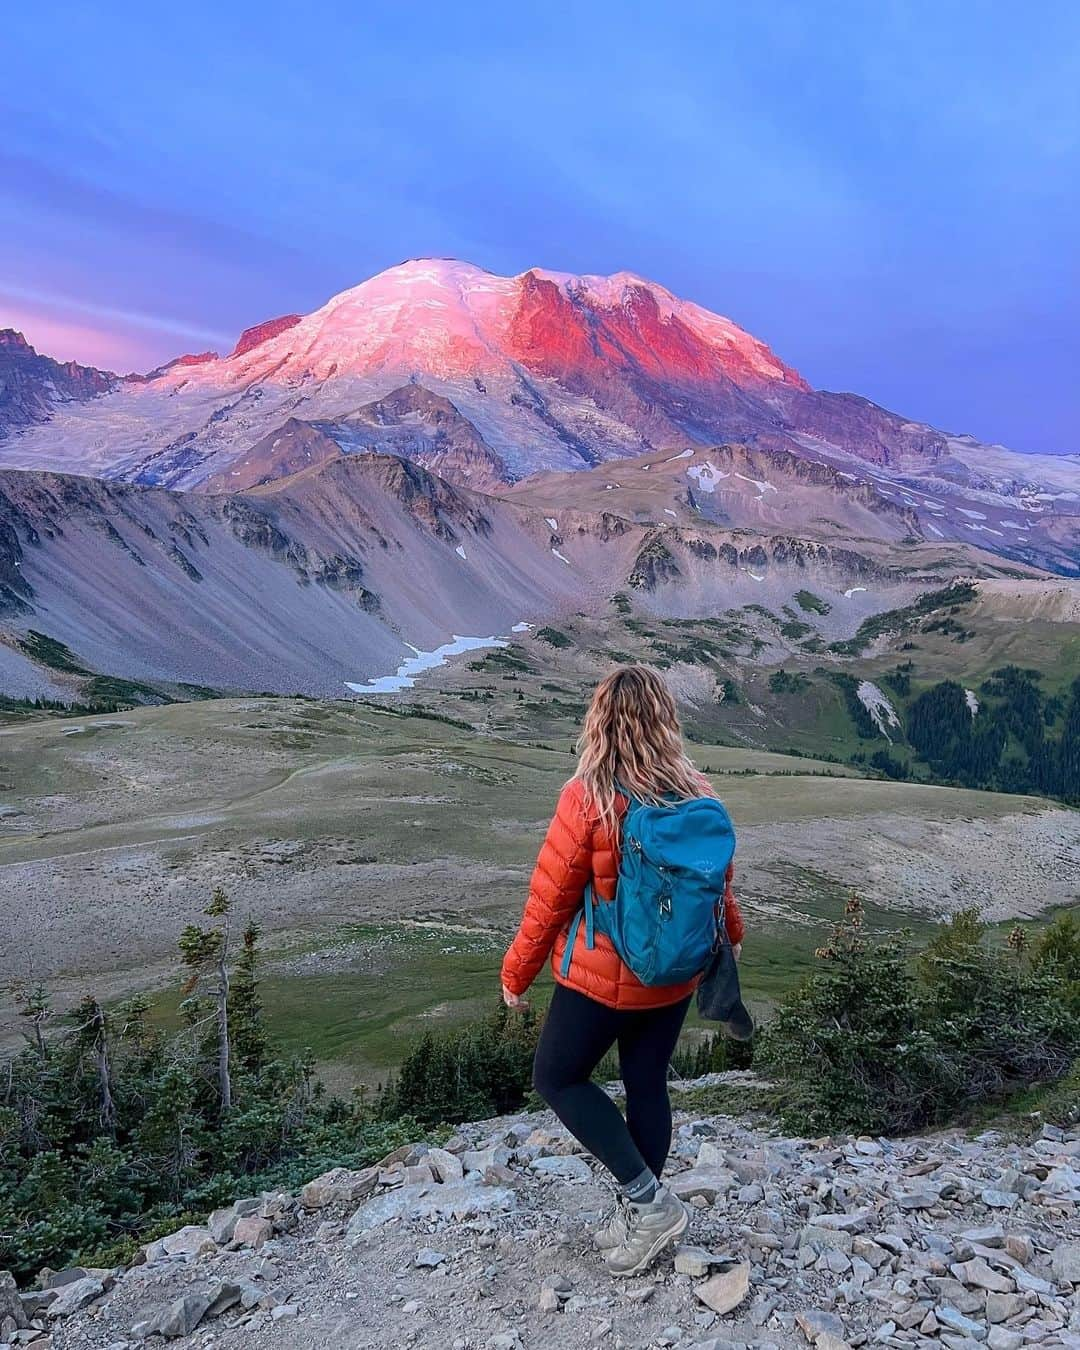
{"type": "Point", "coordinates": [613, 1234]}
{"type": "Point", "coordinates": [650, 1228]}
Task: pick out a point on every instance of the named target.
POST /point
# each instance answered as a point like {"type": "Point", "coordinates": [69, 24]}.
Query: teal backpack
{"type": "Point", "coordinates": [667, 913]}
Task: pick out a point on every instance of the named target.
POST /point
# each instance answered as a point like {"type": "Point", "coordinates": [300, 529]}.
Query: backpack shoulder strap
{"type": "Point", "coordinates": [587, 913]}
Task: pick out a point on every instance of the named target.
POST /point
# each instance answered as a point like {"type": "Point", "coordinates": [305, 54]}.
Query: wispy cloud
{"type": "Point", "coordinates": [157, 323]}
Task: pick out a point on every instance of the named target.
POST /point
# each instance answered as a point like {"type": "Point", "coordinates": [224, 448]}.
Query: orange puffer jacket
{"type": "Point", "coordinates": [577, 850]}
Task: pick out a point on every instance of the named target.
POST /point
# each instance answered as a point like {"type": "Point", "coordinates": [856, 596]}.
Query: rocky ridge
{"type": "Point", "coordinates": [942, 1241]}
{"type": "Point", "coordinates": [31, 386]}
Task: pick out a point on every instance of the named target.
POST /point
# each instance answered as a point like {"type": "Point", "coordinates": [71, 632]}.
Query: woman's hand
{"type": "Point", "coordinates": [736, 950]}
{"type": "Point", "coordinates": [513, 1000]}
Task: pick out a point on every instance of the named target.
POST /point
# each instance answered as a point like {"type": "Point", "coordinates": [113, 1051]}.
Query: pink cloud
{"type": "Point", "coordinates": [91, 345]}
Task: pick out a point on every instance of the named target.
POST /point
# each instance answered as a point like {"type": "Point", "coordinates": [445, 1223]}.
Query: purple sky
{"type": "Point", "coordinates": [888, 194]}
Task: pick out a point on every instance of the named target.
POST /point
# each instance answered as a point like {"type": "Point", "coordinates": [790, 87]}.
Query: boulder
{"type": "Point", "coordinates": [461, 1200]}
{"type": "Point", "coordinates": [252, 1232]}
{"type": "Point", "coordinates": [71, 1297]}
{"type": "Point", "coordinates": [192, 1240]}
{"type": "Point", "coordinates": [443, 1164]}
{"type": "Point", "coordinates": [341, 1185]}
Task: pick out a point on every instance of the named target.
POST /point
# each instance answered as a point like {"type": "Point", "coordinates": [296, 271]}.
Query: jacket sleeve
{"type": "Point", "coordinates": [556, 890]}
{"type": "Point", "coordinates": [733, 919]}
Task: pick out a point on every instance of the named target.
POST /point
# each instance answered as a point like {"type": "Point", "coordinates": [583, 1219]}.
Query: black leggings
{"type": "Point", "coordinates": [577, 1033]}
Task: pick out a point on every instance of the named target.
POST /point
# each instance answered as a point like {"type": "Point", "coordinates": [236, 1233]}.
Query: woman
{"type": "Point", "coordinates": [632, 738]}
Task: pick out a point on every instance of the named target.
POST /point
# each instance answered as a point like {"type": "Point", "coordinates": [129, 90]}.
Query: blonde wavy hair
{"type": "Point", "coordinates": [632, 737]}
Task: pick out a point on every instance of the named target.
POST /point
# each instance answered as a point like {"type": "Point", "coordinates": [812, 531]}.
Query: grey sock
{"type": "Point", "coordinates": [642, 1189]}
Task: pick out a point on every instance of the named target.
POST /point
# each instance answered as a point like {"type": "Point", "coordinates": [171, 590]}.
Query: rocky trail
{"type": "Point", "coordinates": [943, 1241]}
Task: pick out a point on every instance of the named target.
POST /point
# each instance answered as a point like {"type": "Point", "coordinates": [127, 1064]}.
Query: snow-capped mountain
{"type": "Point", "coordinates": [488, 380]}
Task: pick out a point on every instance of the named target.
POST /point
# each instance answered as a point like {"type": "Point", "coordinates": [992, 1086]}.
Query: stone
{"type": "Point", "coordinates": [1031, 1284]}
{"type": "Point", "coordinates": [979, 1274]}
{"type": "Point", "coordinates": [1065, 1263]}
{"type": "Point", "coordinates": [705, 1182]}
{"type": "Point", "coordinates": [1002, 1307]}
{"type": "Point", "coordinates": [180, 1318]}
{"type": "Point", "coordinates": [1000, 1338]}
{"type": "Point", "coordinates": [993, 1236]}
{"type": "Point", "coordinates": [567, 1168]}
{"type": "Point", "coordinates": [71, 1297]}
{"type": "Point", "coordinates": [869, 1251]}
{"type": "Point", "coordinates": [827, 1341]}
{"type": "Point", "coordinates": [498, 1174]}
{"type": "Point", "coordinates": [11, 1306]}
{"type": "Point", "coordinates": [825, 1239]}
{"type": "Point", "coordinates": [192, 1240]}
{"type": "Point", "coordinates": [427, 1258]}
{"type": "Point", "coordinates": [1020, 1248]}
{"type": "Point", "coordinates": [995, 1199]}
{"type": "Point", "coordinates": [813, 1323]}
{"type": "Point", "coordinates": [548, 1300]}
{"type": "Point", "coordinates": [34, 1301]}
{"type": "Point", "coordinates": [444, 1165]}
{"type": "Point", "coordinates": [955, 1320]}
{"type": "Point", "coordinates": [272, 1204]}
{"type": "Point", "coordinates": [252, 1231]}
{"type": "Point", "coordinates": [283, 1311]}
{"type": "Point", "coordinates": [693, 1261]}
{"type": "Point", "coordinates": [224, 1296]}
{"type": "Point", "coordinates": [341, 1185]}
{"type": "Point", "coordinates": [725, 1291]}
{"type": "Point", "coordinates": [913, 1200]}
{"type": "Point", "coordinates": [462, 1200]}
{"type": "Point", "coordinates": [854, 1222]}
{"type": "Point", "coordinates": [479, 1160]}
{"type": "Point", "coordinates": [221, 1225]}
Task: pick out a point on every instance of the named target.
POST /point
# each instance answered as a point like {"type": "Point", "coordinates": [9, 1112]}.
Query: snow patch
{"type": "Point", "coordinates": [706, 475]}
{"type": "Point", "coordinates": [460, 551]}
{"type": "Point", "coordinates": [405, 675]}
{"type": "Point", "coordinates": [683, 454]}
{"type": "Point", "coordinates": [971, 515]}
{"type": "Point", "coordinates": [669, 512]}
{"type": "Point", "coordinates": [552, 522]}
{"type": "Point", "coordinates": [934, 530]}
{"type": "Point", "coordinates": [561, 557]}
{"type": "Point", "coordinates": [881, 711]}
{"type": "Point", "coordinates": [754, 575]}
{"type": "Point", "coordinates": [761, 484]}
{"type": "Point", "coordinates": [852, 590]}
{"type": "Point", "coordinates": [971, 701]}
{"type": "Point", "coordinates": [1012, 525]}
{"type": "Point", "coordinates": [522, 627]}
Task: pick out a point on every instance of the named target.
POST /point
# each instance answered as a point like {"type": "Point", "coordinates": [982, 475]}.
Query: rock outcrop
{"type": "Point", "coordinates": [944, 1241]}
